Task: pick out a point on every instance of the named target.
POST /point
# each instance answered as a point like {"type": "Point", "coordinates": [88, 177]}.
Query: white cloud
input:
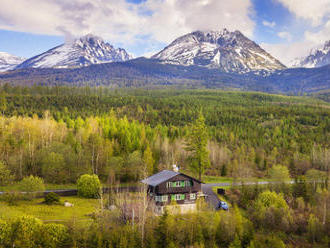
{"type": "Point", "coordinates": [125, 23]}
{"type": "Point", "coordinates": [285, 35]}
{"type": "Point", "coordinates": [317, 13]}
{"type": "Point", "coordinates": [321, 36]}
{"type": "Point", "coordinates": [172, 18]}
{"type": "Point", "coordinates": [313, 10]}
{"type": "Point", "coordinates": [269, 24]}
{"type": "Point", "coordinates": [287, 52]}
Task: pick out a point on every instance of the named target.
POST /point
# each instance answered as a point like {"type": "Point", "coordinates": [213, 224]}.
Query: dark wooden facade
{"type": "Point", "coordinates": [165, 193]}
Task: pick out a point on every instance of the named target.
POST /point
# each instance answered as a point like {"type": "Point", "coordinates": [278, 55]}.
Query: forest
{"type": "Point", "coordinates": [60, 133]}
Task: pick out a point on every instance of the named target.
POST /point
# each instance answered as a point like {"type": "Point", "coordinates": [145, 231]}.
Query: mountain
{"type": "Point", "coordinates": [84, 51]}
{"type": "Point", "coordinates": [225, 50]}
{"type": "Point", "coordinates": [317, 57]}
{"type": "Point", "coordinates": [151, 73]}
{"type": "Point", "coordinates": [8, 61]}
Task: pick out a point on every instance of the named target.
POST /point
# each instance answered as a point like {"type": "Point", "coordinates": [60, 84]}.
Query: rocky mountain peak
{"type": "Point", "coordinates": [223, 49]}
{"type": "Point", "coordinates": [319, 56]}
{"type": "Point", "coordinates": [83, 51]}
{"type": "Point", "coordinates": [9, 61]}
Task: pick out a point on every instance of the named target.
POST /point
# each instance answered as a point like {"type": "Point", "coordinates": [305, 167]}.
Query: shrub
{"type": "Point", "coordinates": [32, 186]}
{"type": "Point", "coordinates": [262, 241]}
{"type": "Point", "coordinates": [11, 198]}
{"type": "Point", "coordinates": [29, 232]}
{"type": "Point", "coordinates": [55, 235]}
{"type": "Point", "coordinates": [26, 231]}
{"type": "Point", "coordinates": [89, 186]}
{"type": "Point", "coordinates": [5, 176]}
{"type": "Point", "coordinates": [52, 198]}
{"type": "Point", "coordinates": [271, 211]}
{"type": "Point", "coordinates": [5, 231]}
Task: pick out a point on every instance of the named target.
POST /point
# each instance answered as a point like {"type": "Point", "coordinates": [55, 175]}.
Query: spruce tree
{"type": "Point", "coordinates": [196, 144]}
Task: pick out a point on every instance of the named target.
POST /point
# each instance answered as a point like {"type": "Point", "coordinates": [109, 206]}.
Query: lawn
{"type": "Point", "coordinates": [48, 186]}
{"type": "Point", "coordinates": [230, 180]}
{"type": "Point", "coordinates": [52, 213]}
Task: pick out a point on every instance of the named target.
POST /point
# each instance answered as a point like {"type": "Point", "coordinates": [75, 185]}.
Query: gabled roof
{"type": "Point", "coordinates": [160, 177]}
{"type": "Point", "coordinates": [163, 176]}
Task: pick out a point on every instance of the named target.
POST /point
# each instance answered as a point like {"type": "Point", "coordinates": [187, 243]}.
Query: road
{"type": "Point", "coordinates": [212, 198]}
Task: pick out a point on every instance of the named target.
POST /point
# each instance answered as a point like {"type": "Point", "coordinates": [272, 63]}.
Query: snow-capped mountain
{"type": "Point", "coordinates": [8, 61]}
{"type": "Point", "coordinates": [228, 51]}
{"type": "Point", "coordinates": [317, 57]}
{"type": "Point", "coordinates": [84, 51]}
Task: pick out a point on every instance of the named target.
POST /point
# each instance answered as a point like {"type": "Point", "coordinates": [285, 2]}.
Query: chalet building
{"type": "Point", "coordinates": [172, 189]}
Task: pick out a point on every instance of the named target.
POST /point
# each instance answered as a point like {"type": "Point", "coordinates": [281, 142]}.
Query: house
{"type": "Point", "coordinates": [172, 189]}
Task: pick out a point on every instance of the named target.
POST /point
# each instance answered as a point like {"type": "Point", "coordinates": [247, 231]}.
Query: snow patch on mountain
{"type": "Point", "coordinates": [319, 56]}
{"type": "Point", "coordinates": [84, 51]}
{"type": "Point", "coordinates": [8, 61]}
{"type": "Point", "coordinates": [228, 51]}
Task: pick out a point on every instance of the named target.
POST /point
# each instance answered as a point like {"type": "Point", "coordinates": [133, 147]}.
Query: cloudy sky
{"type": "Point", "coordinates": [285, 28]}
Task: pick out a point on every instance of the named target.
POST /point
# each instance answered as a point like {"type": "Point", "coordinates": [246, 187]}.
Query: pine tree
{"type": "Point", "coordinates": [196, 144]}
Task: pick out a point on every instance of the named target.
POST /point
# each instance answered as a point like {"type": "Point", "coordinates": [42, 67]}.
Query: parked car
{"type": "Point", "coordinates": [223, 205]}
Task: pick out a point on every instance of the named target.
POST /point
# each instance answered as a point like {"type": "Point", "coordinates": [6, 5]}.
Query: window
{"type": "Point", "coordinates": [192, 196]}
{"type": "Point", "coordinates": [161, 198]}
{"type": "Point", "coordinates": [188, 183]}
{"type": "Point", "coordinates": [177, 197]}
{"type": "Point", "coordinates": [179, 184]}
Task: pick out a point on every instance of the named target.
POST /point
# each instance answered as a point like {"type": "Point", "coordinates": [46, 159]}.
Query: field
{"type": "Point", "coordinates": [80, 212]}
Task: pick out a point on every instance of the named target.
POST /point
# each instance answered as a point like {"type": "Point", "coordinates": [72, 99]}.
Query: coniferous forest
{"type": "Point", "coordinates": [53, 135]}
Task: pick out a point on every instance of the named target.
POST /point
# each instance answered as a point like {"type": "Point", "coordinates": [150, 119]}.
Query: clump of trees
{"type": "Point", "coordinates": [30, 232]}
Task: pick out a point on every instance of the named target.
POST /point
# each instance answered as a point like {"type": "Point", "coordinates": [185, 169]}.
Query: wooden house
{"type": "Point", "coordinates": [172, 188]}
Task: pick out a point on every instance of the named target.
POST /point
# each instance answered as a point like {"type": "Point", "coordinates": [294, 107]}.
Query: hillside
{"type": "Point", "coordinates": [152, 73]}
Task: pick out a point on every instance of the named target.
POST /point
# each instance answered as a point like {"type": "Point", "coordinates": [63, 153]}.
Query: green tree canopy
{"type": "Point", "coordinates": [89, 186]}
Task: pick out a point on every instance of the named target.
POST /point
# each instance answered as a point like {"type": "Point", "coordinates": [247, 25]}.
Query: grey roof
{"type": "Point", "coordinates": [160, 177]}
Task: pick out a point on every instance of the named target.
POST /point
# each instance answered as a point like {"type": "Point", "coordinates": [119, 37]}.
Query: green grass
{"type": "Point", "coordinates": [217, 179]}
{"type": "Point", "coordinates": [52, 213]}
{"type": "Point", "coordinates": [49, 186]}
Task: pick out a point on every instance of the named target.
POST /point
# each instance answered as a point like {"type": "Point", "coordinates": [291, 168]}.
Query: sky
{"type": "Point", "coordinates": [285, 28]}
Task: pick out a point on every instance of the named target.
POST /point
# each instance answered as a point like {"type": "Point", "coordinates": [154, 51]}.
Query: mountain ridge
{"type": "Point", "coordinates": [84, 51]}
{"type": "Point", "coordinates": [151, 73]}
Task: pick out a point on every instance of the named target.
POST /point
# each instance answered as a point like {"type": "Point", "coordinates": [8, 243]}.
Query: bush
{"type": "Point", "coordinates": [33, 186]}
{"type": "Point", "coordinates": [52, 198]}
{"type": "Point", "coordinates": [55, 235]}
{"type": "Point", "coordinates": [262, 241]}
{"type": "Point", "coordinates": [11, 198]}
{"type": "Point", "coordinates": [29, 232]}
{"type": "Point", "coordinates": [5, 176]}
{"type": "Point", "coordinates": [89, 186]}
{"type": "Point", "coordinates": [271, 211]}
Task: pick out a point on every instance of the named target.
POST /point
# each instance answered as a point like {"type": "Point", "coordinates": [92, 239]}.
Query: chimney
{"type": "Point", "coordinates": [175, 168]}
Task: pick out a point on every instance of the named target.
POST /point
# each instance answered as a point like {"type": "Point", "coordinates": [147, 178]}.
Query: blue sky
{"type": "Point", "coordinates": [285, 28]}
